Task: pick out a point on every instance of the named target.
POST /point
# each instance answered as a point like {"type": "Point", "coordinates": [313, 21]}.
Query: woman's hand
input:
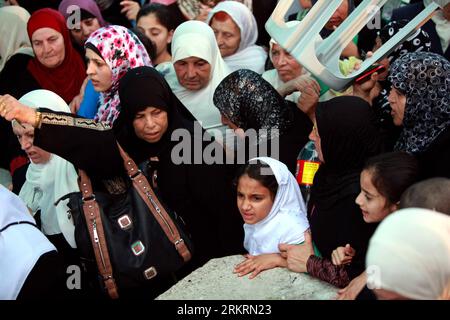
{"type": "Point", "coordinates": [130, 9]}
{"type": "Point", "coordinates": [297, 255]}
{"type": "Point", "coordinates": [77, 100]}
{"type": "Point", "coordinates": [297, 84]}
{"type": "Point", "coordinates": [351, 291]}
{"type": "Point", "coordinates": [76, 103]}
{"type": "Point", "coordinates": [368, 90]}
{"type": "Point", "coordinates": [256, 264]}
{"type": "Point", "coordinates": [204, 11]}
{"type": "Point", "coordinates": [343, 255]}
{"type": "Point", "coordinates": [11, 109]}
{"type": "Point", "coordinates": [309, 98]}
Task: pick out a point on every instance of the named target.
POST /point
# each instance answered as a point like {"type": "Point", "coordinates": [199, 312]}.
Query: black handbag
{"type": "Point", "coordinates": [132, 238]}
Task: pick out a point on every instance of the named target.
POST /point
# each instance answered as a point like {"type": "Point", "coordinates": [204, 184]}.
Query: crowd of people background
{"type": "Point", "coordinates": [79, 76]}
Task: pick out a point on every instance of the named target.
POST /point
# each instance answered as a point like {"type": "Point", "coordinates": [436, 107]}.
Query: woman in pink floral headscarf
{"type": "Point", "coordinates": [112, 51]}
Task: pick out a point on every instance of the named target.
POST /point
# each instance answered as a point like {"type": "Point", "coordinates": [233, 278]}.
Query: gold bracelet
{"type": "Point", "coordinates": [37, 120]}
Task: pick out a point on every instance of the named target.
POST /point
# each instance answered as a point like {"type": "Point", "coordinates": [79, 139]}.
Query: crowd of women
{"type": "Point", "coordinates": [79, 77]}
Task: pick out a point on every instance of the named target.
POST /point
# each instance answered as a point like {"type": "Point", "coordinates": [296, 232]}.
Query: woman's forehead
{"type": "Point", "coordinates": [19, 128]}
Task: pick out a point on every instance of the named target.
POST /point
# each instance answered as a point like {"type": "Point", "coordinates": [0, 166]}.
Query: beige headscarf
{"type": "Point", "coordinates": [13, 29]}
{"type": "Point", "coordinates": [409, 254]}
{"type": "Point", "coordinates": [196, 39]}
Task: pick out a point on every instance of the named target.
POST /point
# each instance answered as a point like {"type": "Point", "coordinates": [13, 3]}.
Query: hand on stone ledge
{"type": "Point", "coordinates": [256, 264]}
{"type": "Point", "coordinates": [297, 254]}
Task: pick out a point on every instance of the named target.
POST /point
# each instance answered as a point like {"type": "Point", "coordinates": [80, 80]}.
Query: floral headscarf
{"type": "Point", "coordinates": [424, 78]}
{"type": "Point", "coordinates": [122, 50]}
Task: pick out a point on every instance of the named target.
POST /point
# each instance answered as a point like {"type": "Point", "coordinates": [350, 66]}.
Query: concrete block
{"type": "Point", "coordinates": [216, 281]}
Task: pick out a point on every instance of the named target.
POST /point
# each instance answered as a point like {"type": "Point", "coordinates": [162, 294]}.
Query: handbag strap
{"type": "Point", "coordinates": [94, 224]}
{"type": "Point", "coordinates": [144, 189]}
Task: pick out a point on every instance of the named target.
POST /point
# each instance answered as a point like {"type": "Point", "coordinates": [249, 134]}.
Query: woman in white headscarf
{"type": "Point", "coordinates": [198, 70]}
{"type": "Point", "coordinates": [15, 52]}
{"type": "Point", "coordinates": [272, 207]}
{"type": "Point", "coordinates": [286, 68]}
{"type": "Point", "coordinates": [13, 28]}
{"type": "Point", "coordinates": [246, 54]}
{"type": "Point", "coordinates": [290, 78]}
{"type": "Point", "coordinates": [48, 181]}
{"type": "Point", "coordinates": [409, 256]}
{"type": "Point", "coordinates": [27, 258]}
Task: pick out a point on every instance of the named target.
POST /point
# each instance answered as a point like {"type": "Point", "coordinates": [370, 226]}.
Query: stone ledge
{"type": "Point", "coordinates": [216, 281]}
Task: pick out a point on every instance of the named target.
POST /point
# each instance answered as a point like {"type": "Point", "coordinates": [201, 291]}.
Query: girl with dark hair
{"type": "Point", "coordinates": [155, 21]}
{"type": "Point", "coordinates": [383, 180]}
{"type": "Point", "coordinates": [272, 207]}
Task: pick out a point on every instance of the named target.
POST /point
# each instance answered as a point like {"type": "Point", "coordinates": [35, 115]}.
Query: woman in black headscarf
{"type": "Point", "coordinates": [345, 137]}
{"type": "Point", "coordinates": [247, 101]}
{"type": "Point", "coordinates": [151, 117]}
{"type": "Point", "coordinates": [420, 101]}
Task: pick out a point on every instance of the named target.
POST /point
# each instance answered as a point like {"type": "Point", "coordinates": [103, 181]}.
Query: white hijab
{"type": "Point", "coordinates": [13, 29]}
{"type": "Point", "coordinates": [286, 221]}
{"type": "Point", "coordinates": [248, 55]}
{"type": "Point", "coordinates": [409, 254]}
{"type": "Point", "coordinates": [47, 183]}
{"type": "Point", "coordinates": [21, 245]}
{"type": "Point", "coordinates": [196, 39]}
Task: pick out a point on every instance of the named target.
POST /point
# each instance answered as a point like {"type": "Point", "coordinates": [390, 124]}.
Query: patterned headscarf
{"type": "Point", "coordinates": [250, 102]}
{"type": "Point", "coordinates": [419, 41]}
{"type": "Point", "coordinates": [122, 50]}
{"type": "Point", "coordinates": [424, 78]}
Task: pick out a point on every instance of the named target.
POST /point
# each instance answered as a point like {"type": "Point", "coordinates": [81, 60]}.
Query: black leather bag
{"type": "Point", "coordinates": [132, 238]}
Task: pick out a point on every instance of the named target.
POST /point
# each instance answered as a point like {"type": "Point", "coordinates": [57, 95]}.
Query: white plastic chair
{"type": "Point", "coordinates": [321, 56]}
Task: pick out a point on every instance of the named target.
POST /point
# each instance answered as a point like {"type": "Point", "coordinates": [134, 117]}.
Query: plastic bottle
{"type": "Point", "coordinates": [307, 165]}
